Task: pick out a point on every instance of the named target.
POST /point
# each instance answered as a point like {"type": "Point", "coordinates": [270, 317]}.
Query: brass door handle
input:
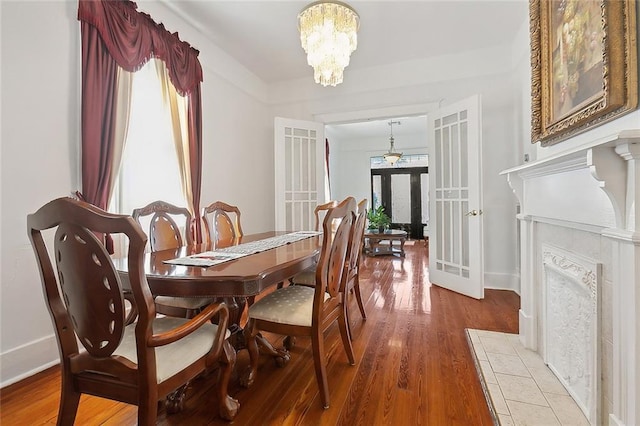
{"type": "Point", "coordinates": [473, 213]}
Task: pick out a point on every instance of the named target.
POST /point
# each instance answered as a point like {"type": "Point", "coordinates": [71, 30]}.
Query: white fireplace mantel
{"type": "Point", "coordinates": [593, 188]}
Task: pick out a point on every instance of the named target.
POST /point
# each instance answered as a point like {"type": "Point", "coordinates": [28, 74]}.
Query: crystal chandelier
{"type": "Point", "coordinates": [328, 33]}
{"type": "Point", "coordinates": [392, 157]}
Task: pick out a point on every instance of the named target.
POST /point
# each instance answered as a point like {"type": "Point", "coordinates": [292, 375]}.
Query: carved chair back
{"type": "Point", "coordinates": [221, 223]}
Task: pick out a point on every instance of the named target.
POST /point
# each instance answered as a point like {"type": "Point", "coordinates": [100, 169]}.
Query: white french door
{"type": "Point", "coordinates": [299, 171]}
{"type": "Point", "coordinates": [455, 204]}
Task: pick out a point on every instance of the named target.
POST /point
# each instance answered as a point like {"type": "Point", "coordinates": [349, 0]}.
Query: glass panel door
{"type": "Point", "coordinates": [456, 261]}
{"type": "Point", "coordinates": [300, 176]}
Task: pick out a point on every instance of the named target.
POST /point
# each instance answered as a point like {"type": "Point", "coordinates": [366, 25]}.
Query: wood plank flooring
{"type": "Point", "coordinates": [413, 365]}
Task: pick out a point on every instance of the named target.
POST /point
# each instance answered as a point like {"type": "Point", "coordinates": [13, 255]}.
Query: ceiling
{"type": "Point", "coordinates": [379, 128]}
{"type": "Point", "coordinates": [263, 36]}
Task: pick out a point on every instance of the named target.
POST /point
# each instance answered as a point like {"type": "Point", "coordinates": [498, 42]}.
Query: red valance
{"type": "Point", "coordinates": [132, 38]}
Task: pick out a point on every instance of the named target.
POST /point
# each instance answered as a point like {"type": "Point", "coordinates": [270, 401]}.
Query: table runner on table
{"type": "Point", "coordinates": [215, 257]}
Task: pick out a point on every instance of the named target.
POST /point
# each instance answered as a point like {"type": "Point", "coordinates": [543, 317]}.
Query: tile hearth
{"type": "Point", "coordinates": [520, 388]}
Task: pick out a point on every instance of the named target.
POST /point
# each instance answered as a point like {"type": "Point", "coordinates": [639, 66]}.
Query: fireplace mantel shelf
{"type": "Point", "coordinates": [604, 158]}
{"type": "Point", "coordinates": [557, 162]}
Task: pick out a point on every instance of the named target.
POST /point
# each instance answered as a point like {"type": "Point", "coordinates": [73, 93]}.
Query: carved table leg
{"type": "Point", "coordinates": [174, 402]}
{"type": "Point", "coordinates": [282, 356]}
{"type": "Point", "coordinates": [236, 307]}
{"type": "Point", "coordinates": [256, 343]}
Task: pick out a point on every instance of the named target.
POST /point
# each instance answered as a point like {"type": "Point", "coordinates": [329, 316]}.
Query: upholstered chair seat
{"type": "Point", "coordinates": [307, 277]}
{"type": "Point", "coordinates": [176, 356]}
{"type": "Point", "coordinates": [188, 303]}
{"type": "Point", "coordinates": [291, 305]}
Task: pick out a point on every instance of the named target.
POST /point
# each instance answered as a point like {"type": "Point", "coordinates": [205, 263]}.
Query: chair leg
{"type": "Point", "coordinates": [345, 335]}
{"type": "Point", "coordinates": [347, 317]}
{"type": "Point", "coordinates": [69, 401]}
{"type": "Point", "coordinates": [356, 288]}
{"type": "Point", "coordinates": [250, 338]}
{"type": "Point", "coordinates": [228, 405]}
{"type": "Point", "coordinates": [317, 346]}
{"type": "Point", "coordinates": [148, 408]}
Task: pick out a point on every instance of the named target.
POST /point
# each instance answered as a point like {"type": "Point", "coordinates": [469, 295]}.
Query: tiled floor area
{"type": "Point", "coordinates": [522, 390]}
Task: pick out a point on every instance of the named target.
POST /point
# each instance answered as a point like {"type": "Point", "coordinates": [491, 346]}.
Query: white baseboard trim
{"type": "Point", "coordinates": [502, 281]}
{"type": "Point", "coordinates": [527, 331]}
{"type": "Point", "coordinates": [27, 360]}
{"type": "Point", "coordinates": [614, 421]}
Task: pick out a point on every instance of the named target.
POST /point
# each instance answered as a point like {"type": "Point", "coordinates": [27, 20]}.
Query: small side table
{"type": "Point", "coordinates": [374, 238]}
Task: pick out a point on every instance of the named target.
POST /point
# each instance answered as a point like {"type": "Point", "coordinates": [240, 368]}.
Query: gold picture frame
{"type": "Point", "coordinates": [583, 65]}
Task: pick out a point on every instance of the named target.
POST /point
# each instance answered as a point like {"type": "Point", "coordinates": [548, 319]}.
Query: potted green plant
{"type": "Point", "coordinates": [378, 219]}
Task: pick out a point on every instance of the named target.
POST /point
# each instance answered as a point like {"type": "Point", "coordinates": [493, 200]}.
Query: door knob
{"type": "Point", "coordinates": [473, 213]}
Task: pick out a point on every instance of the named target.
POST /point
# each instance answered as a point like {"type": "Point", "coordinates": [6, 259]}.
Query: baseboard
{"type": "Point", "coordinates": [27, 360]}
{"type": "Point", "coordinates": [502, 281]}
{"type": "Point", "coordinates": [527, 329]}
{"type": "Point", "coordinates": [614, 421]}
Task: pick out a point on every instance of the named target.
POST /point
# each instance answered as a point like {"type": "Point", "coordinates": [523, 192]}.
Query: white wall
{"type": "Point", "coordinates": [40, 132]}
{"type": "Point", "coordinates": [40, 84]}
{"type": "Point", "coordinates": [425, 84]}
{"type": "Point", "coordinates": [350, 161]}
{"type": "Point", "coordinates": [237, 135]}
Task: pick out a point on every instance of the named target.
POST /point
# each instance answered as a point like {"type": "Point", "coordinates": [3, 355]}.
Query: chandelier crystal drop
{"type": "Point", "coordinates": [328, 34]}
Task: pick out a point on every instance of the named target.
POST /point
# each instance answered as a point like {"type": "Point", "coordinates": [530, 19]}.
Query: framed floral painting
{"type": "Point", "coordinates": [583, 65]}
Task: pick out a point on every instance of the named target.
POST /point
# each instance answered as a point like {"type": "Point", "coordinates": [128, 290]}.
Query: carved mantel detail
{"type": "Point", "coordinates": [569, 267]}
{"type": "Point", "coordinates": [570, 324]}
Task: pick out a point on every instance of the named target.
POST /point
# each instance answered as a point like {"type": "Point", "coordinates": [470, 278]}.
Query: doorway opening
{"type": "Point", "coordinates": [403, 191]}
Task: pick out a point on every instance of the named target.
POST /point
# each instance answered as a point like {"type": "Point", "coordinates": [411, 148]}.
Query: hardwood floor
{"type": "Point", "coordinates": [413, 365]}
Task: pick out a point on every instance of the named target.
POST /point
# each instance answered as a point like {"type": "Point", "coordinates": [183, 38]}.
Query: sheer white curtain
{"type": "Point", "coordinates": [178, 108]}
{"type": "Point", "coordinates": [151, 167]}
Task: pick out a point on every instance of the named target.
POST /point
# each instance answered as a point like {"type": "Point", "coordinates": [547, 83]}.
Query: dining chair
{"type": "Point", "coordinates": [356, 243]}
{"type": "Point", "coordinates": [299, 310]}
{"type": "Point", "coordinates": [139, 363]}
{"type": "Point", "coordinates": [164, 233]}
{"type": "Point", "coordinates": [308, 277]}
{"type": "Point", "coordinates": [221, 223]}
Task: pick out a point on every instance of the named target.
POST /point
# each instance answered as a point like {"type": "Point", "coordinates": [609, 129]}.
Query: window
{"type": "Point", "coordinates": [149, 169]}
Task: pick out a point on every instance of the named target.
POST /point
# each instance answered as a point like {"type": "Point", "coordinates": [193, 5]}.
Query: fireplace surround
{"type": "Point", "coordinates": [580, 271]}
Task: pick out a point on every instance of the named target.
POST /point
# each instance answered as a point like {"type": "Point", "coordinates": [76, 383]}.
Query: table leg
{"type": "Point", "coordinates": [236, 308]}
{"type": "Point", "coordinates": [257, 344]}
{"type": "Point", "coordinates": [402, 247]}
{"type": "Point", "coordinates": [373, 244]}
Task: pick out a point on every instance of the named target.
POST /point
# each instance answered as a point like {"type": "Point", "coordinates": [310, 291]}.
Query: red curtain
{"type": "Point", "coordinates": [326, 160]}
{"type": "Point", "coordinates": [115, 34]}
{"type": "Point", "coordinates": [195, 152]}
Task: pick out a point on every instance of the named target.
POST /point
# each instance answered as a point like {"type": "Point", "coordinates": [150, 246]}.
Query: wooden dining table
{"type": "Point", "coordinates": [235, 280]}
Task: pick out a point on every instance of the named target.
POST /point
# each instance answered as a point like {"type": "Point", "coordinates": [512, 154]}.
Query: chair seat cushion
{"type": "Point", "coordinates": [306, 277]}
{"type": "Point", "coordinates": [289, 305]}
{"type": "Point", "coordinates": [184, 302]}
{"type": "Point", "coordinates": [174, 357]}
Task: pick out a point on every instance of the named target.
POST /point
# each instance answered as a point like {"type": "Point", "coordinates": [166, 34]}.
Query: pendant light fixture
{"type": "Point", "coordinates": [328, 34]}
{"type": "Point", "coordinates": [392, 156]}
